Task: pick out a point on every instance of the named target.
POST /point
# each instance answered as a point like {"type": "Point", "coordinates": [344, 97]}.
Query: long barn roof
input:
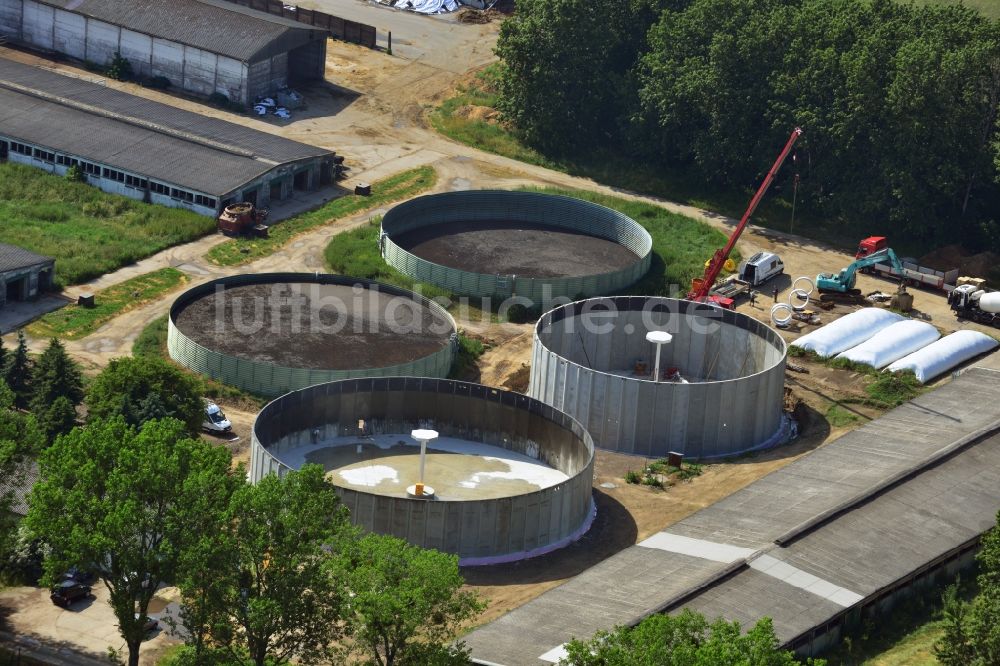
{"type": "Point", "coordinates": [213, 25]}
{"type": "Point", "coordinates": [74, 116]}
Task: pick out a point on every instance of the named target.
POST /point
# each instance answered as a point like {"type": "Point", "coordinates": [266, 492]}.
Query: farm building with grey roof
{"type": "Point", "coordinates": [147, 150]}
{"type": "Point", "coordinates": [201, 46]}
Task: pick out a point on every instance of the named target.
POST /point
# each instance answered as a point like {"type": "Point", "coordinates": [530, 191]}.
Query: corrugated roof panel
{"type": "Point", "coordinates": [219, 27]}
{"type": "Point", "coordinates": [13, 258]}
{"type": "Point", "coordinates": [135, 134]}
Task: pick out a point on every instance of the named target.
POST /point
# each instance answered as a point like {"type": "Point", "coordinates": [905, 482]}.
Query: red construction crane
{"type": "Point", "coordinates": [701, 287]}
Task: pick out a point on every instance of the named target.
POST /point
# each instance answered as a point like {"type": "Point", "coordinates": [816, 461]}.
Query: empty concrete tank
{"type": "Point", "coordinates": [506, 522]}
{"type": "Point", "coordinates": [721, 386]}
{"type": "Point", "coordinates": [270, 333]}
{"type": "Point", "coordinates": [499, 244]}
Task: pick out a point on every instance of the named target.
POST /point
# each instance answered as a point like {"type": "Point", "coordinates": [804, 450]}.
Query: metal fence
{"type": "Point", "coordinates": [268, 379]}
{"type": "Point", "coordinates": [339, 28]}
{"type": "Point", "coordinates": [490, 205]}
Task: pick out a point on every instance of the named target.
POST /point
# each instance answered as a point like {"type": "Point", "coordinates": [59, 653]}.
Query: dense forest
{"type": "Point", "coordinates": [899, 102]}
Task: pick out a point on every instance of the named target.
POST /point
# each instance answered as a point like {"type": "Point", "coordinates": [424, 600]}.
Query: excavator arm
{"type": "Point", "coordinates": [844, 281]}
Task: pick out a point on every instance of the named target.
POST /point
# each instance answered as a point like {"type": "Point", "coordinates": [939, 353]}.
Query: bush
{"type": "Point", "coordinates": [891, 389]}
{"type": "Point", "coordinates": [49, 212]}
{"type": "Point", "coordinates": [120, 68]}
{"type": "Point", "coordinates": [520, 314]}
{"type": "Point", "coordinates": [75, 174]}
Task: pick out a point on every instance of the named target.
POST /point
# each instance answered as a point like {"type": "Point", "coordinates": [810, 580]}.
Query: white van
{"type": "Point", "coordinates": [760, 268]}
{"type": "Point", "coordinates": [214, 420]}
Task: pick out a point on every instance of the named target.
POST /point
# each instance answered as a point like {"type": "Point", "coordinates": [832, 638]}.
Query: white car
{"type": "Point", "coordinates": [215, 421]}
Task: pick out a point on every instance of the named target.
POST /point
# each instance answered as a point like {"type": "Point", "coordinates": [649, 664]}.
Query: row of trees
{"type": "Point", "coordinates": [51, 387]}
{"type": "Point", "coordinates": [686, 639]}
{"type": "Point", "coordinates": [972, 629]}
{"type": "Point", "coordinates": [267, 572]}
{"type": "Point", "coordinates": [899, 102]}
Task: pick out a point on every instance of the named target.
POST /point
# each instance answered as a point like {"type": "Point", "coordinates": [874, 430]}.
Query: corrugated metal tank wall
{"type": "Point", "coordinates": [736, 367]}
{"type": "Point", "coordinates": [490, 205]}
{"type": "Point", "coordinates": [478, 532]}
{"type": "Point", "coordinates": [271, 380]}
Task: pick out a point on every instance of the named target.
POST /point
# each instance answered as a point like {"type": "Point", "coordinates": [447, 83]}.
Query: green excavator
{"type": "Point", "coordinates": [843, 282]}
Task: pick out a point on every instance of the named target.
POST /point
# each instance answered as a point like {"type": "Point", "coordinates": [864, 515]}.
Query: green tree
{"type": "Point", "coordinates": [686, 639]}
{"type": "Point", "coordinates": [17, 372]}
{"type": "Point", "coordinates": [56, 388]}
{"type": "Point", "coordinates": [566, 67]}
{"type": "Point", "coordinates": [265, 589]}
{"type": "Point", "coordinates": [127, 504]}
{"type": "Point", "coordinates": [972, 629]}
{"type": "Point", "coordinates": [56, 418]}
{"type": "Point", "coordinates": [405, 603]}
{"type": "Point", "coordinates": [143, 388]}
{"type": "Point", "coordinates": [55, 375]}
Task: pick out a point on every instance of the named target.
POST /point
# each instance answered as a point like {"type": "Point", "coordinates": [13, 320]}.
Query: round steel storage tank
{"type": "Point", "coordinates": [498, 243]}
{"type": "Point", "coordinates": [321, 424]}
{"type": "Point", "coordinates": [270, 333]}
{"type": "Point", "coordinates": [720, 390]}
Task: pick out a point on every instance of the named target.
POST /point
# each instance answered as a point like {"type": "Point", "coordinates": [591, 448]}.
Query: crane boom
{"type": "Point", "coordinates": [700, 287]}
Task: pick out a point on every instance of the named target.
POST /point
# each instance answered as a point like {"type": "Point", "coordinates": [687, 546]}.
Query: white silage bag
{"type": "Point", "coordinates": [848, 331]}
{"type": "Point", "coordinates": [945, 354]}
{"type": "Point", "coordinates": [892, 343]}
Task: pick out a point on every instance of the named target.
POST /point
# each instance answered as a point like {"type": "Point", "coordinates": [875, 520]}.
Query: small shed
{"type": "Point", "coordinates": [23, 274]}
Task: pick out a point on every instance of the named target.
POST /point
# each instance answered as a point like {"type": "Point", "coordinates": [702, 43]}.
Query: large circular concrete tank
{"type": "Point", "coordinates": [499, 244]}
{"type": "Point", "coordinates": [270, 333]}
{"type": "Point", "coordinates": [499, 428]}
{"type": "Point", "coordinates": [721, 385]}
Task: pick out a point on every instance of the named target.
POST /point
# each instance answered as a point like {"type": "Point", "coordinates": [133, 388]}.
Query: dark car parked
{"type": "Point", "coordinates": [69, 591]}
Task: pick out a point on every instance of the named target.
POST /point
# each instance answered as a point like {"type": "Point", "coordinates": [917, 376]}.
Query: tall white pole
{"type": "Point", "coordinates": [658, 338]}
{"type": "Point", "coordinates": [423, 459]}
{"type": "Point", "coordinates": [419, 490]}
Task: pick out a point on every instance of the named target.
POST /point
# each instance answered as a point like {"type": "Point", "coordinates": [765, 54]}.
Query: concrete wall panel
{"type": "Point", "coordinates": [735, 366]}
{"type": "Point", "coordinates": [37, 24]}
{"type": "Point", "coordinates": [137, 48]}
{"type": "Point", "coordinates": [479, 532]}
{"type": "Point", "coordinates": [11, 14]}
{"type": "Point", "coordinates": [199, 71]}
{"type": "Point", "coordinates": [68, 35]}
{"type": "Point", "coordinates": [102, 41]}
{"type": "Point", "coordinates": [168, 60]}
{"type": "Point", "coordinates": [230, 79]}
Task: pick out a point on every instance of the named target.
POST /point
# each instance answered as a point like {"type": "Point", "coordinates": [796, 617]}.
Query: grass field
{"type": "Point", "coordinates": [394, 188]}
{"type": "Point", "coordinates": [73, 322]}
{"type": "Point", "coordinates": [88, 232]}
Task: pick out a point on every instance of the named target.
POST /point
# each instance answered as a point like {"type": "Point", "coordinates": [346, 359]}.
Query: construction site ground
{"type": "Point", "coordinates": [372, 110]}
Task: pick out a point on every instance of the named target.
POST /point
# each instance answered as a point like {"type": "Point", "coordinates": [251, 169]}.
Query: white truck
{"type": "Point", "coordinates": [752, 273]}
